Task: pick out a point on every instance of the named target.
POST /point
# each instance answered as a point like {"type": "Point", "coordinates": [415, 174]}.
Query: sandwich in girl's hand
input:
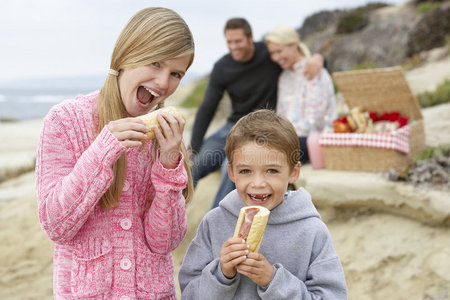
{"type": "Point", "coordinates": [150, 119]}
{"type": "Point", "coordinates": [251, 225]}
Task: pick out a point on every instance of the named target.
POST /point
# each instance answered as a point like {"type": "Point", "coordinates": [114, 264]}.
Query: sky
{"type": "Point", "coordinates": [64, 38]}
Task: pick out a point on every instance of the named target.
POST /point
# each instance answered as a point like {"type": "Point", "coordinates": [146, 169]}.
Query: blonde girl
{"type": "Point", "coordinates": [114, 206]}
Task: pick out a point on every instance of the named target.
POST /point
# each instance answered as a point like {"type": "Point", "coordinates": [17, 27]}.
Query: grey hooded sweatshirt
{"type": "Point", "coordinates": [296, 242]}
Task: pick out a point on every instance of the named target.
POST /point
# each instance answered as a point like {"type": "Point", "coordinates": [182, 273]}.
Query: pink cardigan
{"type": "Point", "coordinates": [120, 253]}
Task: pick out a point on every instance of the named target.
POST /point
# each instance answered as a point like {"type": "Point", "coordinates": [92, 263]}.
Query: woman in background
{"type": "Point", "coordinates": [308, 104]}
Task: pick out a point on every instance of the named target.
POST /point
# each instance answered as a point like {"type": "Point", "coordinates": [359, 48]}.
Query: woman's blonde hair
{"type": "Point", "coordinates": [153, 34]}
{"type": "Point", "coordinates": [283, 35]}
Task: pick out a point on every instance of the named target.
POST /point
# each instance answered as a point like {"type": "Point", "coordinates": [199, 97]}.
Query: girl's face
{"type": "Point", "coordinates": [261, 174]}
{"type": "Point", "coordinates": [284, 55]}
{"type": "Point", "coordinates": [142, 88]}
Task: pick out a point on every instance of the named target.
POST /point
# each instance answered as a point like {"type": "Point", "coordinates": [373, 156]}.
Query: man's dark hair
{"type": "Point", "coordinates": [239, 23]}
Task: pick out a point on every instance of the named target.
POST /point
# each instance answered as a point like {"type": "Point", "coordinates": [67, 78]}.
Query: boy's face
{"type": "Point", "coordinates": [261, 174]}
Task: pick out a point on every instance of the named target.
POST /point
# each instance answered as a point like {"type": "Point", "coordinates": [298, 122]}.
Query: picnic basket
{"type": "Point", "coordinates": [378, 90]}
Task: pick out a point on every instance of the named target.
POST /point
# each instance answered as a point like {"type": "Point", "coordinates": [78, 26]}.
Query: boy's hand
{"type": "Point", "coordinates": [257, 268]}
{"type": "Point", "coordinates": [234, 251]}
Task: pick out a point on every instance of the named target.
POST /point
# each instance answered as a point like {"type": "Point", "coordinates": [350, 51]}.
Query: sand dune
{"type": "Point", "coordinates": [389, 250]}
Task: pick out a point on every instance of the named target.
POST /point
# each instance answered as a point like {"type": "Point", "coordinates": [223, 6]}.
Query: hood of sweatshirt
{"type": "Point", "coordinates": [297, 205]}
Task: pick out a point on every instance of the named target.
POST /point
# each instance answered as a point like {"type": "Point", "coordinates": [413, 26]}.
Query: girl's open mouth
{"type": "Point", "coordinates": [145, 97]}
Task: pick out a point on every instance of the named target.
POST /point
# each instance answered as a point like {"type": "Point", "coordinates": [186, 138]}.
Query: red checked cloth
{"type": "Point", "coordinates": [395, 140]}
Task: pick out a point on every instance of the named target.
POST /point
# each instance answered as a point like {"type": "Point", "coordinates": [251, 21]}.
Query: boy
{"type": "Point", "coordinates": [297, 259]}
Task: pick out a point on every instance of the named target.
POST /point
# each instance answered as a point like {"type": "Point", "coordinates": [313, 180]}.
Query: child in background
{"type": "Point", "coordinates": [114, 206]}
{"type": "Point", "coordinates": [297, 259]}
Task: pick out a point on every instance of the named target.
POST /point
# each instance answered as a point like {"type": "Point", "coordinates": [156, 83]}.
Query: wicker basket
{"type": "Point", "coordinates": [378, 90]}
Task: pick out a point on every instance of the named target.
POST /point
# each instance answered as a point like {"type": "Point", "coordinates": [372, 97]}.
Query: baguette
{"type": "Point", "coordinates": [150, 120]}
{"type": "Point", "coordinates": [251, 227]}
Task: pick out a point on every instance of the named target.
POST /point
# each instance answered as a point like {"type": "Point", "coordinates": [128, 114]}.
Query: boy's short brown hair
{"type": "Point", "coordinates": [268, 129]}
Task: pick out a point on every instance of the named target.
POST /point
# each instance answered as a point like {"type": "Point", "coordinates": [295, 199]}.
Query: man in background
{"type": "Point", "coordinates": [250, 78]}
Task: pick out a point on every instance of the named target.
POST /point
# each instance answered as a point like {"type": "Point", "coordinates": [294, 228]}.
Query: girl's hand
{"type": "Point", "coordinates": [257, 268]}
{"type": "Point", "coordinates": [234, 251]}
{"type": "Point", "coordinates": [170, 138]}
{"type": "Point", "coordinates": [128, 131]}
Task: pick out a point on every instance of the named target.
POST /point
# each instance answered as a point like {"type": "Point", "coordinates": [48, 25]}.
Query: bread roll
{"type": "Point", "coordinates": [150, 119]}
{"type": "Point", "coordinates": [258, 226]}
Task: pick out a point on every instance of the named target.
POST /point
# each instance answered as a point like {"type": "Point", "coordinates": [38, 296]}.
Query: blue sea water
{"type": "Point", "coordinates": [32, 98]}
{"type": "Point", "coordinates": [27, 99]}
{"type": "Point", "coordinates": [31, 104]}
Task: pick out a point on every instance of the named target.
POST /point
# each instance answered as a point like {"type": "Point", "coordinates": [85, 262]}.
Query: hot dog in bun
{"type": "Point", "coordinates": [150, 119]}
{"type": "Point", "coordinates": [251, 225]}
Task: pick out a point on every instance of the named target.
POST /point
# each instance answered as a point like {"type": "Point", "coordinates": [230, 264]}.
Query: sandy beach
{"type": "Point", "coordinates": [393, 238]}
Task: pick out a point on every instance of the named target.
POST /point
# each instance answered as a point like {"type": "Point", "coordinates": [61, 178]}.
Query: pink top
{"type": "Point", "coordinates": [120, 253]}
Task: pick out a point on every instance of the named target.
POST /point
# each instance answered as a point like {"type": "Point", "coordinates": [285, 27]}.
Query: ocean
{"type": "Point", "coordinates": [32, 98]}
{"type": "Point", "coordinates": [31, 104]}
{"type": "Point", "coordinates": [27, 99]}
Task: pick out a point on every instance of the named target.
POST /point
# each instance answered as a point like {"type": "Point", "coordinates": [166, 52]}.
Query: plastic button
{"type": "Point", "coordinates": [126, 185]}
{"type": "Point", "coordinates": [125, 223]}
{"type": "Point", "coordinates": [125, 264]}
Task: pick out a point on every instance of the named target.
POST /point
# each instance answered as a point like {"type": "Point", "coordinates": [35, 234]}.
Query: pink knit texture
{"type": "Point", "coordinates": [106, 254]}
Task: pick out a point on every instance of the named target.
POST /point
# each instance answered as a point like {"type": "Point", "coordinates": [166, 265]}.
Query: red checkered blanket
{"type": "Point", "coordinates": [395, 140]}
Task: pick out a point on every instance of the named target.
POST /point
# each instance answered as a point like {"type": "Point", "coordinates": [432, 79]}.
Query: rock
{"type": "Point", "coordinates": [371, 191]}
{"type": "Point", "coordinates": [318, 22]}
{"type": "Point", "coordinates": [434, 172]}
{"type": "Point", "coordinates": [393, 33]}
{"type": "Point", "coordinates": [431, 31]}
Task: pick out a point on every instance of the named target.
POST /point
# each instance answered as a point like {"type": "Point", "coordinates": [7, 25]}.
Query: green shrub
{"type": "Point", "coordinates": [412, 62]}
{"type": "Point", "coordinates": [195, 98]}
{"type": "Point", "coordinates": [440, 95]}
{"type": "Point", "coordinates": [432, 152]}
{"type": "Point", "coordinates": [335, 87]}
{"type": "Point", "coordinates": [421, 1]}
{"type": "Point", "coordinates": [425, 7]}
{"type": "Point", "coordinates": [365, 65]}
{"type": "Point", "coordinates": [353, 21]}
{"type": "Point", "coordinates": [429, 152]}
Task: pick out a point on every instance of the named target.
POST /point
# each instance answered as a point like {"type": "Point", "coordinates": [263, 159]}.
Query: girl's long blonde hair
{"type": "Point", "coordinates": [153, 34]}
